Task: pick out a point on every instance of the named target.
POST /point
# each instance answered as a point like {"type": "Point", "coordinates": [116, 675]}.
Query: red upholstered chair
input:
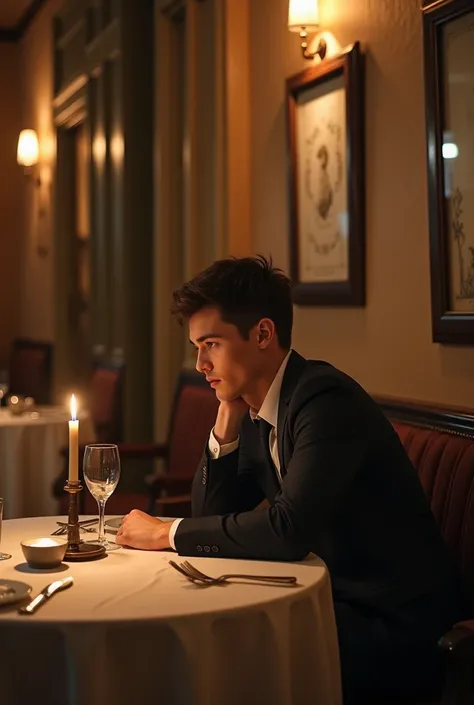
{"type": "Point", "coordinates": [105, 402]}
{"type": "Point", "coordinates": [192, 417]}
{"type": "Point", "coordinates": [440, 444]}
{"type": "Point", "coordinates": [445, 465]}
{"type": "Point", "coordinates": [31, 369]}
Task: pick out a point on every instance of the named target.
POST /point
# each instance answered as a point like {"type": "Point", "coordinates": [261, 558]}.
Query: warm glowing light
{"type": "Point", "coordinates": [73, 408]}
{"type": "Point", "coordinates": [99, 148]}
{"type": "Point", "coordinates": [303, 13]}
{"type": "Point", "coordinates": [450, 150]}
{"type": "Point", "coordinates": [43, 543]}
{"type": "Point", "coordinates": [28, 150]}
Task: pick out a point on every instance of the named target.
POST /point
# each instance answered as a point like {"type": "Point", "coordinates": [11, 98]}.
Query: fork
{"type": "Point", "coordinates": [63, 530]}
{"type": "Point", "coordinates": [196, 576]}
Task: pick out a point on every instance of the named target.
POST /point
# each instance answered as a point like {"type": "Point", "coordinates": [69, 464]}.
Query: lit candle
{"type": "Point", "coordinates": [73, 443]}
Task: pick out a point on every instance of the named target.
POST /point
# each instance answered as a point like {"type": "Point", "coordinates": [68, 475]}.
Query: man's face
{"type": "Point", "coordinates": [230, 363]}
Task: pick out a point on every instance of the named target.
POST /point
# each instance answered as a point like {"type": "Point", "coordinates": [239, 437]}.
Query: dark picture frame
{"type": "Point", "coordinates": [326, 158]}
{"type": "Point", "coordinates": [451, 222]}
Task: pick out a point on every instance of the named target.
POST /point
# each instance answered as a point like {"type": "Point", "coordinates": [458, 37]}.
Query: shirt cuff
{"type": "Point", "coordinates": [218, 451]}
{"type": "Point", "coordinates": [173, 530]}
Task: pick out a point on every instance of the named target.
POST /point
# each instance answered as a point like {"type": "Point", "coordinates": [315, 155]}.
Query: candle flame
{"type": "Point", "coordinates": [73, 408]}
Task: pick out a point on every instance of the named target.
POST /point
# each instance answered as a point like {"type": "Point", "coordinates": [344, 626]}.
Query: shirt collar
{"type": "Point", "coordinates": [269, 409]}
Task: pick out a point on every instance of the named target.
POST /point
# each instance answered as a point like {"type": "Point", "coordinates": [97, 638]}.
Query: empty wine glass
{"type": "Point", "coordinates": [102, 472]}
{"type": "Point", "coordinates": [3, 556]}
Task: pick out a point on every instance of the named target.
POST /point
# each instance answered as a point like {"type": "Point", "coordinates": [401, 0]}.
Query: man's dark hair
{"type": "Point", "coordinates": [244, 290]}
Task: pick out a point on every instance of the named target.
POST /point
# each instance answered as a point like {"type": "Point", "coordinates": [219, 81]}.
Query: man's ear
{"type": "Point", "coordinates": [265, 332]}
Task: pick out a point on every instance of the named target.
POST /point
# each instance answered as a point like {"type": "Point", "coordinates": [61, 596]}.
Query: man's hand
{"type": "Point", "coordinates": [229, 418]}
{"type": "Point", "coordinates": [140, 530]}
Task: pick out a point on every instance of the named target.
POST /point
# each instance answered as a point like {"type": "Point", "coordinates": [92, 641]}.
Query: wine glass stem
{"type": "Point", "coordinates": [101, 503]}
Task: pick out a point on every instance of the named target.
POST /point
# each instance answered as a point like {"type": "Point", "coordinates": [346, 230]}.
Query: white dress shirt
{"type": "Point", "coordinates": [269, 412]}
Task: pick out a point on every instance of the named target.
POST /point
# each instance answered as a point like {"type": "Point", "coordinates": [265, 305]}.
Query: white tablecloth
{"type": "Point", "coordinates": [132, 630]}
{"type": "Point", "coordinates": [30, 459]}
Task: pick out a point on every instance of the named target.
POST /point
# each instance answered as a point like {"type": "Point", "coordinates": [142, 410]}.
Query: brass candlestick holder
{"type": "Point", "coordinates": [77, 550]}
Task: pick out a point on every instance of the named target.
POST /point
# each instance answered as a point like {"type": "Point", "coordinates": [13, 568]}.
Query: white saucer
{"type": "Point", "coordinates": [20, 591]}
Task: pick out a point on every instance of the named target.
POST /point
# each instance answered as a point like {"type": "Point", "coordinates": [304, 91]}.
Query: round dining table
{"type": "Point", "coordinates": [30, 457]}
{"type": "Point", "coordinates": [132, 630]}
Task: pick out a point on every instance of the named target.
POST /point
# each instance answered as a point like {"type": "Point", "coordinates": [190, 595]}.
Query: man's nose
{"type": "Point", "coordinates": [202, 363]}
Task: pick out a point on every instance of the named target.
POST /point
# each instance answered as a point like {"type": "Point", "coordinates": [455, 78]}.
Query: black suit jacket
{"type": "Point", "coordinates": [349, 494]}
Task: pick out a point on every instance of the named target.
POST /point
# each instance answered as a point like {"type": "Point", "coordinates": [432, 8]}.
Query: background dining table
{"type": "Point", "coordinates": [133, 630]}
{"type": "Point", "coordinates": [30, 457]}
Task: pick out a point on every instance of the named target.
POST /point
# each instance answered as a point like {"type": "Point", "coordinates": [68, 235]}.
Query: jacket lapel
{"type": "Point", "coordinates": [294, 369]}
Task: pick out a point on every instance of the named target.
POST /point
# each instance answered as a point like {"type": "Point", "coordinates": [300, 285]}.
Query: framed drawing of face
{"type": "Point", "coordinates": [325, 107]}
{"type": "Point", "coordinates": [448, 32]}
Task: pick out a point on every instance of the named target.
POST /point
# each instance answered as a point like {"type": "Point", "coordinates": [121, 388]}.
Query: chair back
{"type": "Point", "coordinates": [31, 363]}
{"type": "Point", "coordinates": [192, 418]}
{"type": "Point", "coordinates": [445, 466]}
{"type": "Point", "coordinates": [440, 444]}
{"type": "Point", "coordinates": [105, 402]}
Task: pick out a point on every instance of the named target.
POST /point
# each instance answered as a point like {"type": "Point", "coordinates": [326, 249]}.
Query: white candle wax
{"type": "Point", "coordinates": [73, 443]}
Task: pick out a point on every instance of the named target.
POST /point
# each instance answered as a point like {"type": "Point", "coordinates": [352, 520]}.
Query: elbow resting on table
{"type": "Point", "coordinates": [293, 554]}
{"type": "Point", "coordinates": [290, 549]}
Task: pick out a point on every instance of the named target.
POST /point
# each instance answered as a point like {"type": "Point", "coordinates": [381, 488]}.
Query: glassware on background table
{"type": "Point", "coordinates": [101, 473]}
{"type": "Point", "coordinates": [4, 384]}
{"type": "Point", "coordinates": [3, 556]}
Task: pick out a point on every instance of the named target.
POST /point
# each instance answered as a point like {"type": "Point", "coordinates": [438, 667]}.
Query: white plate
{"type": "Point", "coordinates": [114, 523]}
{"type": "Point", "coordinates": [20, 591]}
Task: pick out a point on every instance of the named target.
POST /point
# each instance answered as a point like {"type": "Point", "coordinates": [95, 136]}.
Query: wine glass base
{"type": "Point", "coordinates": [4, 556]}
{"type": "Point", "coordinates": [106, 545]}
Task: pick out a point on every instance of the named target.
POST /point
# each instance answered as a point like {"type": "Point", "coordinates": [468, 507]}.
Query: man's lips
{"type": "Point", "coordinates": [213, 382]}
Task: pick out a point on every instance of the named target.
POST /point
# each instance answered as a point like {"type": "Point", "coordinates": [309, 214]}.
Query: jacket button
{"type": "Point", "coordinates": [199, 548]}
{"type": "Point", "coordinates": [207, 548]}
{"type": "Point", "coordinates": [215, 548]}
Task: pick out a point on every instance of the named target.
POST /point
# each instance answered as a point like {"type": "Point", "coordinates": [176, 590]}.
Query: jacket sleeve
{"type": "Point", "coordinates": [225, 485]}
{"type": "Point", "coordinates": [330, 447]}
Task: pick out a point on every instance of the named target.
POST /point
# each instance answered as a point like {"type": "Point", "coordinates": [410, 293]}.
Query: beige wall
{"type": "Point", "coordinates": [386, 345]}
{"type": "Point", "coordinates": [11, 198]}
{"type": "Point", "coordinates": [37, 313]}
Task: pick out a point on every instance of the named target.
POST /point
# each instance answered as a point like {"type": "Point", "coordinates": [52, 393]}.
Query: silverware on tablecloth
{"type": "Point", "coordinates": [83, 526]}
{"type": "Point", "coordinates": [196, 576]}
{"type": "Point", "coordinates": [83, 522]}
{"type": "Point", "coordinates": [46, 594]}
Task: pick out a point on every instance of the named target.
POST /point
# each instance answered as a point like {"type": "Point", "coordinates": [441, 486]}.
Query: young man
{"type": "Point", "coordinates": [307, 438]}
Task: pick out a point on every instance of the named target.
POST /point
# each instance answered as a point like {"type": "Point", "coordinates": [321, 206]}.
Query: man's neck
{"type": "Point", "coordinates": [256, 397]}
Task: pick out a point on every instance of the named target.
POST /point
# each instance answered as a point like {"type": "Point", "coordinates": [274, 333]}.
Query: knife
{"type": "Point", "coordinates": [45, 594]}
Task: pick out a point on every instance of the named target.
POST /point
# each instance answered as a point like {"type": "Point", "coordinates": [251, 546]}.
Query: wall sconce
{"type": "Point", "coordinates": [27, 151]}
{"type": "Point", "coordinates": [303, 15]}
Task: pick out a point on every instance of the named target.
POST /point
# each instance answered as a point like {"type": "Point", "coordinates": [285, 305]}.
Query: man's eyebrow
{"type": "Point", "coordinates": [204, 337]}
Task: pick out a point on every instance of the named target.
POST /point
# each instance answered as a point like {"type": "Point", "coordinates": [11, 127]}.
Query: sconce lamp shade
{"type": "Point", "coordinates": [28, 150]}
{"type": "Point", "coordinates": [303, 13]}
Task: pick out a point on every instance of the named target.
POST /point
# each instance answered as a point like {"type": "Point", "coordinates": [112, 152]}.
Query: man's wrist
{"type": "Point", "coordinates": [226, 438]}
{"type": "Point", "coordinates": [224, 433]}
{"type": "Point", "coordinates": [163, 535]}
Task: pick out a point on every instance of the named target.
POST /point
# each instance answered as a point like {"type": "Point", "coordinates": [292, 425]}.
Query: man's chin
{"type": "Point", "coordinates": [224, 395]}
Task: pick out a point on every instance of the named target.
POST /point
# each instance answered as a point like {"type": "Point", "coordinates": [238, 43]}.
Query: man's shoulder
{"type": "Point", "coordinates": [317, 374]}
{"type": "Point", "coordinates": [324, 383]}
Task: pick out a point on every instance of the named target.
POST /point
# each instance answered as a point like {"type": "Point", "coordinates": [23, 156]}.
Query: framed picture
{"type": "Point", "coordinates": [448, 30]}
{"type": "Point", "coordinates": [325, 107]}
